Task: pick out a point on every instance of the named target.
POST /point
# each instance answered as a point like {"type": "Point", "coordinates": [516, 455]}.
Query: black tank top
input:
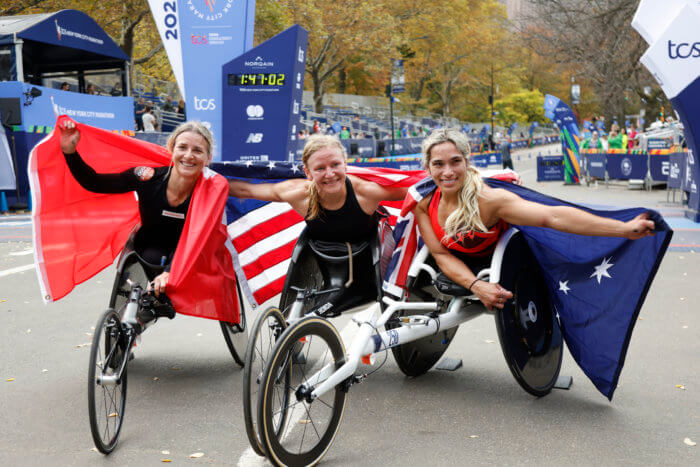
{"type": "Point", "coordinates": [347, 224]}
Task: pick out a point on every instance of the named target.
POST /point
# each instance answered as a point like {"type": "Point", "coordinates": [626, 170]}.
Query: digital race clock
{"type": "Point", "coordinates": [257, 79]}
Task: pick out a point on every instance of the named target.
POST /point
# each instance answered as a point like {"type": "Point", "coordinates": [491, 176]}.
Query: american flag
{"type": "Point", "coordinates": [597, 284]}
{"type": "Point", "coordinates": [264, 233]}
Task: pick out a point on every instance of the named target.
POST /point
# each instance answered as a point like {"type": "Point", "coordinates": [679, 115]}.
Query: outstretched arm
{"type": "Point", "coordinates": [288, 191]}
{"type": "Point", "coordinates": [491, 295]}
{"type": "Point", "coordinates": [515, 210]}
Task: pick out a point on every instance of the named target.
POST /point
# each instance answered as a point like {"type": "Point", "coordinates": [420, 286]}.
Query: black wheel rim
{"type": "Point", "coordinates": [107, 402]}
{"type": "Point", "coordinates": [266, 330]}
{"type": "Point", "coordinates": [236, 335]}
{"type": "Point", "coordinates": [297, 432]}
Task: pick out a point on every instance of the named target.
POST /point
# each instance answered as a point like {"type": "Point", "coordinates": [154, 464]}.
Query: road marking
{"type": "Point", "coordinates": [21, 253]}
{"type": "Point", "coordinates": [249, 458]}
{"type": "Point", "coordinates": [7, 272]}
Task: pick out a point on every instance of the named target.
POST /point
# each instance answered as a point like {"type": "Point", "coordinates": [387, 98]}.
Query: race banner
{"type": "Point", "coordinates": [561, 114]}
{"type": "Point", "coordinates": [673, 60]}
{"type": "Point", "coordinates": [199, 37]}
{"type": "Point", "coordinates": [262, 92]}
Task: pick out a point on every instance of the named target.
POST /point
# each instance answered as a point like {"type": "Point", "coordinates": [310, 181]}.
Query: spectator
{"type": "Point", "coordinates": [615, 140]}
{"type": "Point", "coordinates": [604, 142]}
{"type": "Point", "coordinates": [506, 158]}
{"type": "Point", "coordinates": [149, 120]}
{"type": "Point", "coordinates": [329, 129]}
{"type": "Point", "coordinates": [180, 107]}
{"type": "Point", "coordinates": [116, 90]}
{"type": "Point", "coordinates": [317, 127]}
{"type": "Point", "coordinates": [623, 134]}
{"type": "Point", "coordinates": [65, 86]}
{"type": "Point", "coordinates": [90, 89]}
{"type": "Point", "coordinates": [631, 136]}
{"type": "Point", "coordinates": [345, 133]}
{"type": "Point", "coordinates": [168, 104]}
{"type": "Point", "coordinates": [301, 135]}
{"type": "Point", "coordinates": [139, 109]}
{"type": "Point", "coordinates": [593, 142]}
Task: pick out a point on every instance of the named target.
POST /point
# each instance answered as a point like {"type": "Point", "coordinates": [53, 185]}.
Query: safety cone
{"type": "Point", "coordinates": [3, 203]}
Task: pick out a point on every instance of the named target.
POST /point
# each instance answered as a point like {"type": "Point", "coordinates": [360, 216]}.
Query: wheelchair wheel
{"type": "Point", "coordinates": [527, 325]}
{"type": "Point", "coordinates": [300, 432]}
{"type": "Point", "coordinates": [417, 357]}
{"type": "Point", "coordinates": [236, 335]}
{"type": "Point", "coordinates": [268, 327]}
{"type": "Point", "coordinates": [106, 401]}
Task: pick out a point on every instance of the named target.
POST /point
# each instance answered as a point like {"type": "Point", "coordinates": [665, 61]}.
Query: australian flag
{"type": "Point", "coordinates": [597, 284]}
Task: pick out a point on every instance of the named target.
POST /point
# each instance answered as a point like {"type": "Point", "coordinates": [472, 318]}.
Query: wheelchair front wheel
{"type": "Point", "coordinates": [294, 430]}
{"type": "Point", "coordinates": [236, 335]}
{"type": "Point", "coordinates": [107, 398]}
{"type": "Point", "coordinates": [268, 327]}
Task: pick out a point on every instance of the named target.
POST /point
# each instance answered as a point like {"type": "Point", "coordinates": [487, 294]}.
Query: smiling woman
{"type": "Point", "coordinates": [164, 192]}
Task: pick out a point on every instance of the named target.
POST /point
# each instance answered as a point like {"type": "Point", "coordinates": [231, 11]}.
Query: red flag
{"type": "Point", "coordinates": [78, 233]}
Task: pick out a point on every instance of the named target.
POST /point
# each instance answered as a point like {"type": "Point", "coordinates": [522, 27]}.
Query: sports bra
{"type": "Point", "coordinates": [347, 224]}
{"type": "Point", "coordinates": [472, 243]}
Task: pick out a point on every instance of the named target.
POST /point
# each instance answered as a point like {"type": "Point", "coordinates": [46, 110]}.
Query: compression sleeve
{"type": "Point", "coordinates": [100, 183]}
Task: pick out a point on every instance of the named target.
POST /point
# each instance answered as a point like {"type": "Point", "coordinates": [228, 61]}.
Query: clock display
{"type": "Point", "coordinates": [257, 79]}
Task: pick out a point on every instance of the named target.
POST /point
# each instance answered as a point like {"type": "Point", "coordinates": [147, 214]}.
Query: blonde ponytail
{"type": "Point", "coordinates": [314, 202]}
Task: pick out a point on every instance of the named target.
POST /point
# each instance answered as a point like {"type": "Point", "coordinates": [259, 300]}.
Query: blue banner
{"type": "Point", "coordinates": [199, 37]}
{"type": "Point", "coordinates": [550, 168]}
{"type": "Point", "coordinates": [596, 165]}
{"type": "Point", "coordinates": [560, 113]}
{"type": "Point", "coordinates": [109, 113]}
{"type": "Point", "coordinates": [659, 167]}
{"type": "Point", "coordinates": [676, 169]}
{"type": "Point", "coordinates": [262, 95]}
{"type": "Point", "coordinates": [626, 166]}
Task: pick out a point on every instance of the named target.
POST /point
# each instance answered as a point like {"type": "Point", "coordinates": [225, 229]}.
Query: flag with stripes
{"type": "Point", "coordinates": [264, 233]}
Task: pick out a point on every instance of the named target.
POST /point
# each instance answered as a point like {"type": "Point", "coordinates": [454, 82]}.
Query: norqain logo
{"type": "Point", "coordinates": [683, 50]}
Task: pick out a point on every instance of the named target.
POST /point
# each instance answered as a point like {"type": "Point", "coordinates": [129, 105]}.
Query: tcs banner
{"type": "Point", "coordinates": [199, 36]}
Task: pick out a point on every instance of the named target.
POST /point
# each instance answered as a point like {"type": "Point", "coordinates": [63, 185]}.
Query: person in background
{"type": "Point", "coordinates": [615, 140]}
{"type": "Point", "coordinates": [506, 158]}
{"type": "Point", "coordinates": [139, 109]}
{"type": "Point", "coordinates": [90, 89]}
{"type": "Point", "coordinates": [65, 86]}
{"type": "Point", "coordinates": [180, 107]}
{"type": "Point", "coordinates": [623, 135]}
{"type": "Point", "coordinates": [116, 90]}
{"type": "Point", "coordinates": [631, 135]}
{"type": "Point", "coordinates": [593, 142]}
{"type": "Point", "coordinates": [345, 133]}
{"type": "Point", "coordinates": [168, 104]}
{"type": "Point", "coordinates": [604, 142]}
{"type": "Point", "coordinates": [149, 120]}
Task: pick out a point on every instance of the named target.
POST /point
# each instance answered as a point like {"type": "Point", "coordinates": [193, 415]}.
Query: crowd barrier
{"type": "Point", "coordinates": [414, 161]}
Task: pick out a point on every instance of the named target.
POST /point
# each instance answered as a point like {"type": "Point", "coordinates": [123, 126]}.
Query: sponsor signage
{"type": "Point", "coordinates": [199, 37]}
{"type": "Point", "coordinates": [261, 99]}
{"type": "Point", "coordinates": [550, 168]}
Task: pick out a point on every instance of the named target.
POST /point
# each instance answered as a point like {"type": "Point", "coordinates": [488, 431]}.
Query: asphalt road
{"type": "Point", "coordinates": [184, 388]}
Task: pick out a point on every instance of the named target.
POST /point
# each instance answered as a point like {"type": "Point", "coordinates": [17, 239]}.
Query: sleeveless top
{"type": "Point", "coordinates": [473, 243]}
{"type": "Point", "coordinates": [347, 224]}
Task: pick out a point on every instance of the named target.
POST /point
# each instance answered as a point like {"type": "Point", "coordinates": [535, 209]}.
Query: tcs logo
{"type": "Point", "coordinates": [199, 39]}
{"type": "Point", "coordinates": [204, 104]}
{"type": "Point", "coordinates": [683, 50]}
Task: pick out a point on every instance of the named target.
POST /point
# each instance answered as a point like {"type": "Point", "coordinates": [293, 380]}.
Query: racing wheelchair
{"type": "Point", "coordinates": [323, 279]}
{"type": "Point", "coordinates": [307, 375]}
{"type": "Point", "coordinates": [132, 309]}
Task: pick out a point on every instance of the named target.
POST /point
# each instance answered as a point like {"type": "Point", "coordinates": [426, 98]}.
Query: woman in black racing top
{"type": "Point", "coordinates": [164, 193]}
{"type": "Point", "coordinates": [337, 207]}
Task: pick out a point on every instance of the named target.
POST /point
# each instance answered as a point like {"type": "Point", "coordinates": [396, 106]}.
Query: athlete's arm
{"type": "Point", "coordinates": [491, 295]}
{"type": "Point", "coordinates": [515, 210]}
{"type": "Point", "coordinates": [288, 191]}
{"type": "Point", "coordinates": [377, 192]}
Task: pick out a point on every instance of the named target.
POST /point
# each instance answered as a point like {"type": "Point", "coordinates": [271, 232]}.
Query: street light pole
{"type": "Point", "coordinates": [491, 102]}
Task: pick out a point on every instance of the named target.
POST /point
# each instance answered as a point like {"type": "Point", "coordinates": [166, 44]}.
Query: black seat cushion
{"type": "Point", "coordinates": [446, 286]}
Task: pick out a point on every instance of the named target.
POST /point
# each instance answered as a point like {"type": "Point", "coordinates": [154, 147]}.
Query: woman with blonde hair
{"type": "Point", "coordinates": [464, 218]}
{"type": "Point", "coordinates": [164, 193]}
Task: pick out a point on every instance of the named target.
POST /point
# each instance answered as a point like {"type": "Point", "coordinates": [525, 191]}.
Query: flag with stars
{"type": "Point", "coordinates": [597, 284]}
{"type": "Point", "coordinates": [264, 233]}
